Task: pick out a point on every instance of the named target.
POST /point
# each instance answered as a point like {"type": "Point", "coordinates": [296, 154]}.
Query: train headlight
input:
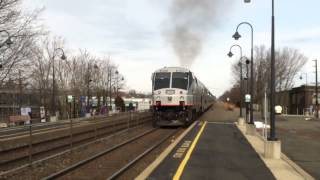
{"type": "Point", "coordinates": [182, 98]}
{"type": "Point", "coordinates": [182, 103]}
{"type": "Point", "coordinates": [158, 103]}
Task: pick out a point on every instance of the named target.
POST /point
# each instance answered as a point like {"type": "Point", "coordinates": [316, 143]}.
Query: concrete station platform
{"type": "Point", "coordinates": [213, 151]}
{"type": "Point", "coordinates": [216, 148]}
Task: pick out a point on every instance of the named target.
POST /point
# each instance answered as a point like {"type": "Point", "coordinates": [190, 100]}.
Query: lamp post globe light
{"type": "Point", "coordinates": [230, 54]}
{"type": "Point", "coordinates": [63, 57]}
{"type": "Point", "coordinates": [306, 77]}
{"type": "Point", "coordinates": [7, 42]}
{"type": "Point", "coordinates": [237, 36]}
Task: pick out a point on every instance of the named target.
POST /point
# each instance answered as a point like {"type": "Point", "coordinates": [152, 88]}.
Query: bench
{"type": "Point", "coordinates": [19, 118]}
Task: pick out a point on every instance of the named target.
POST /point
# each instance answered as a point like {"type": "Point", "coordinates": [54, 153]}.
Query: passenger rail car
{"type": "Point", "coordinates": [178, 97]}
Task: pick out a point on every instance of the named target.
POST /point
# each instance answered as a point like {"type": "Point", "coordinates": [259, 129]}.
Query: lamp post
{"type": "Point", "coordinates": [306, 74]}
{"type": "Point", "coordinates": [272, 135]}
{"type": "Point", "coordinates": [110, 87]}
{"type": "Point", "coordinates": [63, 57]}
{"type": "Point", "coordinates": [247, 74]}
{"type": "Point", "coordinates": [117, 79]}
{"type": "Point", "coordinates": [237, 36]}
{"type": "Point", "coordinates": [317, 103]}
{"type": "Point", "coordinates": [247, 88]}
{"type": "Point", "coordinates": [7, 42]}
{"type": "Point", "coordinates": [122, 79]}
{"type": "Point", "coordinates": [88, 83]}
{"type": "Point", "coordinates": [305, 88]}
{"type": "Point", "coordinates": [230, 54]}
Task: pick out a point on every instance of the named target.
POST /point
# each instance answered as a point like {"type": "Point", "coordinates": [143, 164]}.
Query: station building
{"type": "Point", "coordinates": [298, 100]}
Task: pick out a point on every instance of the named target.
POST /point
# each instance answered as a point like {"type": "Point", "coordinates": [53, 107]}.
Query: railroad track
{"type": "Point", "coordinates": [113, 162]}
{"type": "Point", "coordinates": [19, 156]}
{"type": "Point", "coordinates": [11, 132]}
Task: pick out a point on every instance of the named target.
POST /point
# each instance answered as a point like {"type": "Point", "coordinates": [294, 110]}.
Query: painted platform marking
{"type": "Point", "coordinates": [181, 150]}
{"type": "Point", "coordinates": [188, 155]}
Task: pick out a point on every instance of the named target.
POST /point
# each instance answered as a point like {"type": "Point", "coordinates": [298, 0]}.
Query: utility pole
{"type": "Point", "coordinates": [317, 103]}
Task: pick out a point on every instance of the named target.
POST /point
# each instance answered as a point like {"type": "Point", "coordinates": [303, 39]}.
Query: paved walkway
{"type": "Point", "coordinates": [221, 152]}
{"type": "Point", "coordinates": [217, 148]}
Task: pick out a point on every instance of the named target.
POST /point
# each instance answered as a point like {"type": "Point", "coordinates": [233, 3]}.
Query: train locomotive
{"type": "Point", "coordinates": [178, 97]}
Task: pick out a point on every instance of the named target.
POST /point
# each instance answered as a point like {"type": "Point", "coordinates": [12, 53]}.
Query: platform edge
{"type": "Point", "coordinates": [301, 171]}
{"type": "Point", "coordinates": [146, 173]}
{"type": "Point", "coordinates": [286, 159]}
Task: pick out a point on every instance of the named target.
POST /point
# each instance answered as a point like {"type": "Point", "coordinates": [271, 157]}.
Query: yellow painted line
{"type": "Point", "coordinates": [188, 155]}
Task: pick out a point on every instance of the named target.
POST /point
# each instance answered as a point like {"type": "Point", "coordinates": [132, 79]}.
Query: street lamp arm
{"type": "Point", "coordinates": [1, 31]}
{"type": "Point", "coordinates": [236, 45]}
{"type": "Point", "coordinates": [8, 41]}
{"type": "Point", "coordinates": [247, 23]}
{"type": "Point", "coordinates": [251, 27]}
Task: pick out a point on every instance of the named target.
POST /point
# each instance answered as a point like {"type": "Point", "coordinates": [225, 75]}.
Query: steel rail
{"type": "Point", "coordinates": [85, 161]}
{"type": "Point", "coordinates": [120, 127]}
{"type": "Point", "coordinates": [53, 139]}
{"type": "Point", "coordinates": [138, 158]}
{"type": "Point", "coordinates": [61, 122]}
{"type": "Point", "coordinates": [68, 150]}
{"type": "Point", "coordinates": [104, 126]}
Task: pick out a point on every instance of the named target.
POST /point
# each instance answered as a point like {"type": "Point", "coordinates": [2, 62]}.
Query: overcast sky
{"type": "Point", "coordinates": [131, 32]}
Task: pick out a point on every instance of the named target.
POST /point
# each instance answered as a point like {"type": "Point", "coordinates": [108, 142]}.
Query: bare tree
{"type": "Point", "coordinates": [29, 62]}
{"type": "Point", "coordinates": [23, 31]}
{"type": "Point", "coordinates": [289, 62]}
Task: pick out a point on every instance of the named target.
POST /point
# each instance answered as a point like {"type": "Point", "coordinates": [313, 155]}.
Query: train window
{"type": "Point", "coordinates": [190, 78]}
{"type": "Point", "coordinates": [162, 80]}
{"type": "Point", "coordinates": [180, 80]}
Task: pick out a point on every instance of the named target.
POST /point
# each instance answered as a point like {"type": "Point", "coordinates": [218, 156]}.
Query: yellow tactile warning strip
{"type": "Point", "coordinates": [164, 154]}
{"type": "Point", "coordinates": [188, 155]}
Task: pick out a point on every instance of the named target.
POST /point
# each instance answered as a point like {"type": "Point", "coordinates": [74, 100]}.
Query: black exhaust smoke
{"type": "Point", "coordinates": [189, 24]}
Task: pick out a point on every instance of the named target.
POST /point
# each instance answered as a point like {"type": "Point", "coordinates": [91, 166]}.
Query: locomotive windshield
{"type": "Point", "coordinates": [162, 80]}
{"type": "Point", "coordinates": [180, 80]}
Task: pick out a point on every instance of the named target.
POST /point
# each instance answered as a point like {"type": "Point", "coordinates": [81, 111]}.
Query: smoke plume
{"type": "Point", "coordinates": [189, 23]}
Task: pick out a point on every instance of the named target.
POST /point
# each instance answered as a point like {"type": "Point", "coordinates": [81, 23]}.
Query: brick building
{"type": "Point", "coordinates": [298, 100]}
